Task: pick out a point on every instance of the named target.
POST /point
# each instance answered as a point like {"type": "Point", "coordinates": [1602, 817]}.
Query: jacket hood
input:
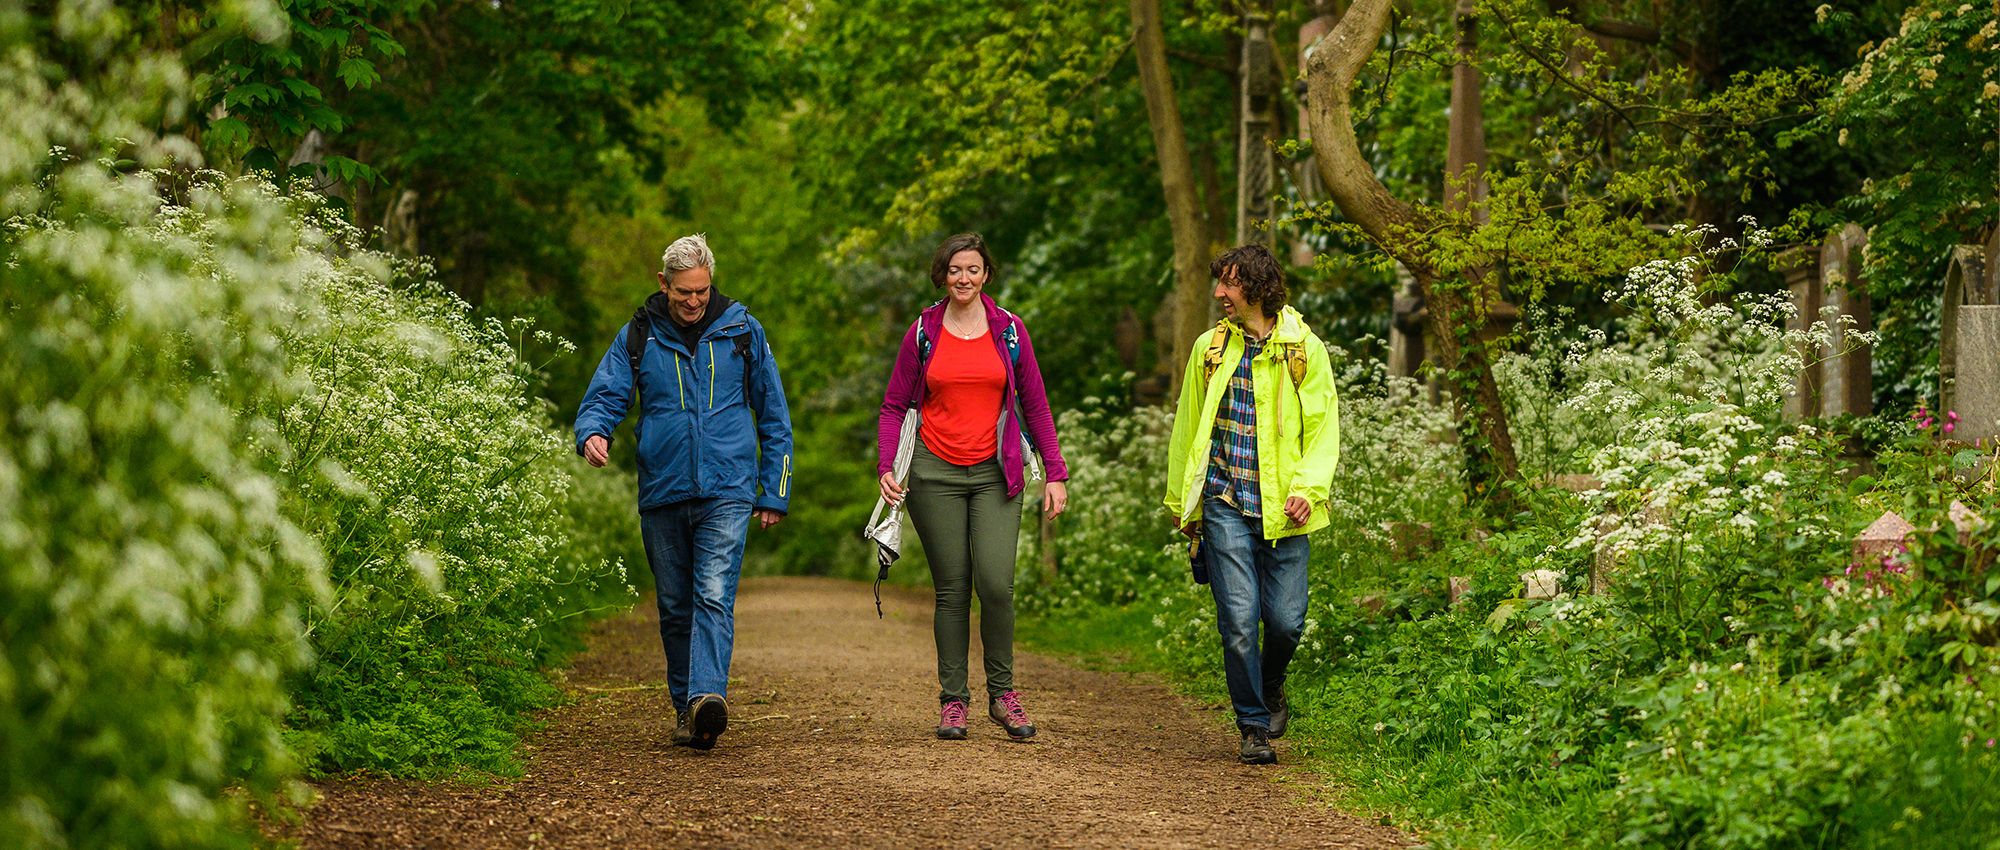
{"type": "Point", "coordinates": [720, 306]}
{"type": "Point", "coordinates": [1290, 327]}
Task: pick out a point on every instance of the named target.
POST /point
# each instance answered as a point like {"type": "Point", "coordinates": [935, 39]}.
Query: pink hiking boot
{"type": "Point", "coordinates": [1007, 712]}
{"type": "Point", "coordinates": [951, 720]}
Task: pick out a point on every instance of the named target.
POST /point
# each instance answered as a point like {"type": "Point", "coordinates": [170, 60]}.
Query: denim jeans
{"type": "Point", "coordinates": [695, 548]}
{"type": "Point", "coordinates": [1254, 580]}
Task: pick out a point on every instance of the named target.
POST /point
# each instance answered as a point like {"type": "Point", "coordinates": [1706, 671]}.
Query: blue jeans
{"type": "Point", "coordinates": [695, 548]}
{"type": "Point", "coordinates": [1254, 580]}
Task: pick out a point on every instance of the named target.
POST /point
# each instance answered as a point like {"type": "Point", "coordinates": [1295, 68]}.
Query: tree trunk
{"type": "Point", "coordinates": [1465, 140]}
{"type": "Point", "coordinates": [1188, 302]}
{"type": "Point", "coordinates": [1456, 321]}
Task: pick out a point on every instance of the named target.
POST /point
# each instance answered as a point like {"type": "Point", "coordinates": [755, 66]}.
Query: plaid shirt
{"type": "Point", "coordinates": [1232, 449]}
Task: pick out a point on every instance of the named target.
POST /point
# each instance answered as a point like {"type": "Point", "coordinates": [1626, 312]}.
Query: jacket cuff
{"type": "Point", "coordinates": [771, 504]}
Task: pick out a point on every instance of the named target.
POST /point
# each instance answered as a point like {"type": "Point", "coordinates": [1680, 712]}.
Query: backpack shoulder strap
{"type": "Point", "coordinates": [636, 333]}
{"type": "Point", "coordinates": [749, 358]}
{"type": "Point", "coordinates": [1012, 336]}
{"type": "Point", "coordinates": [1212, 358]}
{"type": "Point", "coordinates": [1295, 360]}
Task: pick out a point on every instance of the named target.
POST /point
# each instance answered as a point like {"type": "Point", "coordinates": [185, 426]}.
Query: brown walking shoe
{"type": "Point", "coordinates": [1007, 711]}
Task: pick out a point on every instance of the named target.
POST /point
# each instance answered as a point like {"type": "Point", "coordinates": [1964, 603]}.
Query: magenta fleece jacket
{"type": "Point", "coordinates": [1026, 400]}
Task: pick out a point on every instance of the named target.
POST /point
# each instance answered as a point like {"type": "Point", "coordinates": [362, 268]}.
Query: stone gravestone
{"type": "Point", "coordinates": [1844, 380]}
{"type": "Point", "coordinates": [1965, 520]}
{"type": "Point", "coordinates": [1456, 587]}
{"type": "Point", "coordinates": [1406, 326]}
{"type": "Point", "coordinates": [1541, 584]}
{"type": "Point", "coordinates": [1409, 541]}
{"type": "Point", "coordinates": [1887, 535]}
{"type": "Point", "coordinates": [1802, 279]}
{"type": "Point", "coordinates": [1969, 355]}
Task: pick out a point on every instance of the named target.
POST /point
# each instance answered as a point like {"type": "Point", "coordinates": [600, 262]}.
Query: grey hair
{"type": "Point", "coordinates": [688, 252]}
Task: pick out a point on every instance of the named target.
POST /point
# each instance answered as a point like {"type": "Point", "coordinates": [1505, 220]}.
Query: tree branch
{"type": "Point", "coordinates": [1331, 66]}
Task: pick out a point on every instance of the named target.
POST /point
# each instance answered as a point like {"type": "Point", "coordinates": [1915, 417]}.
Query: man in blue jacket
{"type": "Point", "coordinates": [715, 447]}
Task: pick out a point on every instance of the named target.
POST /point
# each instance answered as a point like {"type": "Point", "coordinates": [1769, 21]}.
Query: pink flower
{"type": "Point", "coordinates": [1949, 425]}
{"type": "Point", "coordinates": [1951, 415]}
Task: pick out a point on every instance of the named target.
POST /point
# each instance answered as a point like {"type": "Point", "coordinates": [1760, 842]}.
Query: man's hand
{"type": "Point", "coordinates": [597, 450]}
{"type": "Point", "coordinates": [1298, 510]}
{"type": "Point", "coordinates": [1188, 530]}
{"type": "Point", "coordinates": [767, 517]}
{"type": "Point", "coordinates": [1055, 499]}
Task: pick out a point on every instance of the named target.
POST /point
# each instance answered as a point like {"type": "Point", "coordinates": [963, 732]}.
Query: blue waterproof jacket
{"type": "Point", "coordinates": [701, 423]}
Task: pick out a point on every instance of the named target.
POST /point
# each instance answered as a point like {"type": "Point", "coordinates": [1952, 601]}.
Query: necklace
{"type": "Point", "coordinates": [972, 334]}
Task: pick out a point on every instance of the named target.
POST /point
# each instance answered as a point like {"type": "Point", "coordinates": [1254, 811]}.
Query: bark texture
{"type": "Point", "coordinates": [1456, 320]}
{"type": "Point", "coordinates": [1187, 307]}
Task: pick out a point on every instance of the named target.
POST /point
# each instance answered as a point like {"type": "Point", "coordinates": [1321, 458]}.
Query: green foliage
{"type": "Point", "coordinates": [1740, 685]}
{"type": "Point", "coordinates": [930, 105]}
{"type": "Point", "coordinates": [1922, 103]}
{"type": "Point", "coordinates": [229, 541]}
{"type": "Point", "coordinates": [443, 607]}
{"type": "Point", "coordinates": [500, 120]}
{"type": "Point", "coordinates": [150, 580]}
{"type": "Point", "coordinates": [148, 561]}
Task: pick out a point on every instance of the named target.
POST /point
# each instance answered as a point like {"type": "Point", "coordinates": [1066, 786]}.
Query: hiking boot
{"type": "Point", "coordinates": [708, 716]}
{"type": "Point", "coordinates": [1281, 711]}
{"type": "Point", "coordinates": [682, 732]}
{"type": "Point", "coordinates": [1257, 747]}
{"type": "Point", "coordinates": [1007, 712]}
{"type": "Point", "coordinates": [951, 720]}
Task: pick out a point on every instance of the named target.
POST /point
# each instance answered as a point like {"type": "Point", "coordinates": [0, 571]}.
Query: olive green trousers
{"type": "Point", "coordinates": [969, 529]}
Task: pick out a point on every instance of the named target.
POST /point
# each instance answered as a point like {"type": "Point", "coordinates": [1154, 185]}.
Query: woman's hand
{"type": "Point", "coordinates": [891, 491]}
{"type": "Point", "coordinates": [1055, 499]}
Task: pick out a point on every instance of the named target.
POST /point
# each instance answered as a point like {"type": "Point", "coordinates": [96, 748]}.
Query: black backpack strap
{"type": "Point", "coordinates": [636, 334]}
{"type": "Point", "coordinates": [743, 351]}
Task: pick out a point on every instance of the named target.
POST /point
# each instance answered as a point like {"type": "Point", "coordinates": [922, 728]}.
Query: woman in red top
{"type": "Point", "coordinates": [967, 369]}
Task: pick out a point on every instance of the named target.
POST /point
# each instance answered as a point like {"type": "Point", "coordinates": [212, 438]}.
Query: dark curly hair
{"type": "Point", "coordinates": [941, 260]}
{"type": "Point", "coordinates": [1262, 279]}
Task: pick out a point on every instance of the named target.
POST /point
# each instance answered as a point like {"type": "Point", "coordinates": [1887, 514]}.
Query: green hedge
{"type": "Point", "coordinates": [270, 502]}
{"type": "Point", "coordinates": [1740, 685]}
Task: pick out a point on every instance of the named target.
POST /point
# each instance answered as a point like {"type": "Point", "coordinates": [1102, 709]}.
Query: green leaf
{"type": "Point", "coordinates": [302, 89]}
{"type": "Point", "coordinates": [250, 94]}
{"type": "Point", "coordinates": [1966, 458]}
{"type": "Point", "coordinates": [228, 134]}
{"type": "Point", "coordinates": [357, 72]}
{"type": "Point", "coordinates": [1503, 612]}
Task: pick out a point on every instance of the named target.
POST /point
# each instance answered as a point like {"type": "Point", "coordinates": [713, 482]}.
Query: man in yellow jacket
{"type": "Point", "coordinates": [1254, 447]}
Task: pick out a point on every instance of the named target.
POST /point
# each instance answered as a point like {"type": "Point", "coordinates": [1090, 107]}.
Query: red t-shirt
{"type": "Point", "coordinates": [962, 400]}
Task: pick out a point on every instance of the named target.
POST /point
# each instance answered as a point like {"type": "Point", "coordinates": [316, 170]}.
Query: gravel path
{"type": "Point", "coordinates": [830, 745]}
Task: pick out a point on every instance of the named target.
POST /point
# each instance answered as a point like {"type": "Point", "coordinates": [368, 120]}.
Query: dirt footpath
{"type": "Point", "coordinates": [830, 744]}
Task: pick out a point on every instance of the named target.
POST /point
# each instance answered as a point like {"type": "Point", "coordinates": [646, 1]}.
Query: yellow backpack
{"type": "Point", "coordinates": [1293, 354]}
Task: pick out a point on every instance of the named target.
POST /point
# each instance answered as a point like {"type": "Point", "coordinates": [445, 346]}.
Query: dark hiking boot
{"type": "Point", "coordinates": [951, 720]}
{"type": "Point", "coordinates": [1257, 747]}
{"type": "Point", "coordinates": [708, 716]}
{"type": "Point", "coordinates": [682, 732]}
{"type": "Point", "coordinates": [1007, 711]}
{"type": "Point", "coordinates": [1281, 710]}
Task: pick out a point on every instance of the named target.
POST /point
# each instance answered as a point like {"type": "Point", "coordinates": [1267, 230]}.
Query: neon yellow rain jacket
{"type": "Point", "coordinates": [1298, 427]}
